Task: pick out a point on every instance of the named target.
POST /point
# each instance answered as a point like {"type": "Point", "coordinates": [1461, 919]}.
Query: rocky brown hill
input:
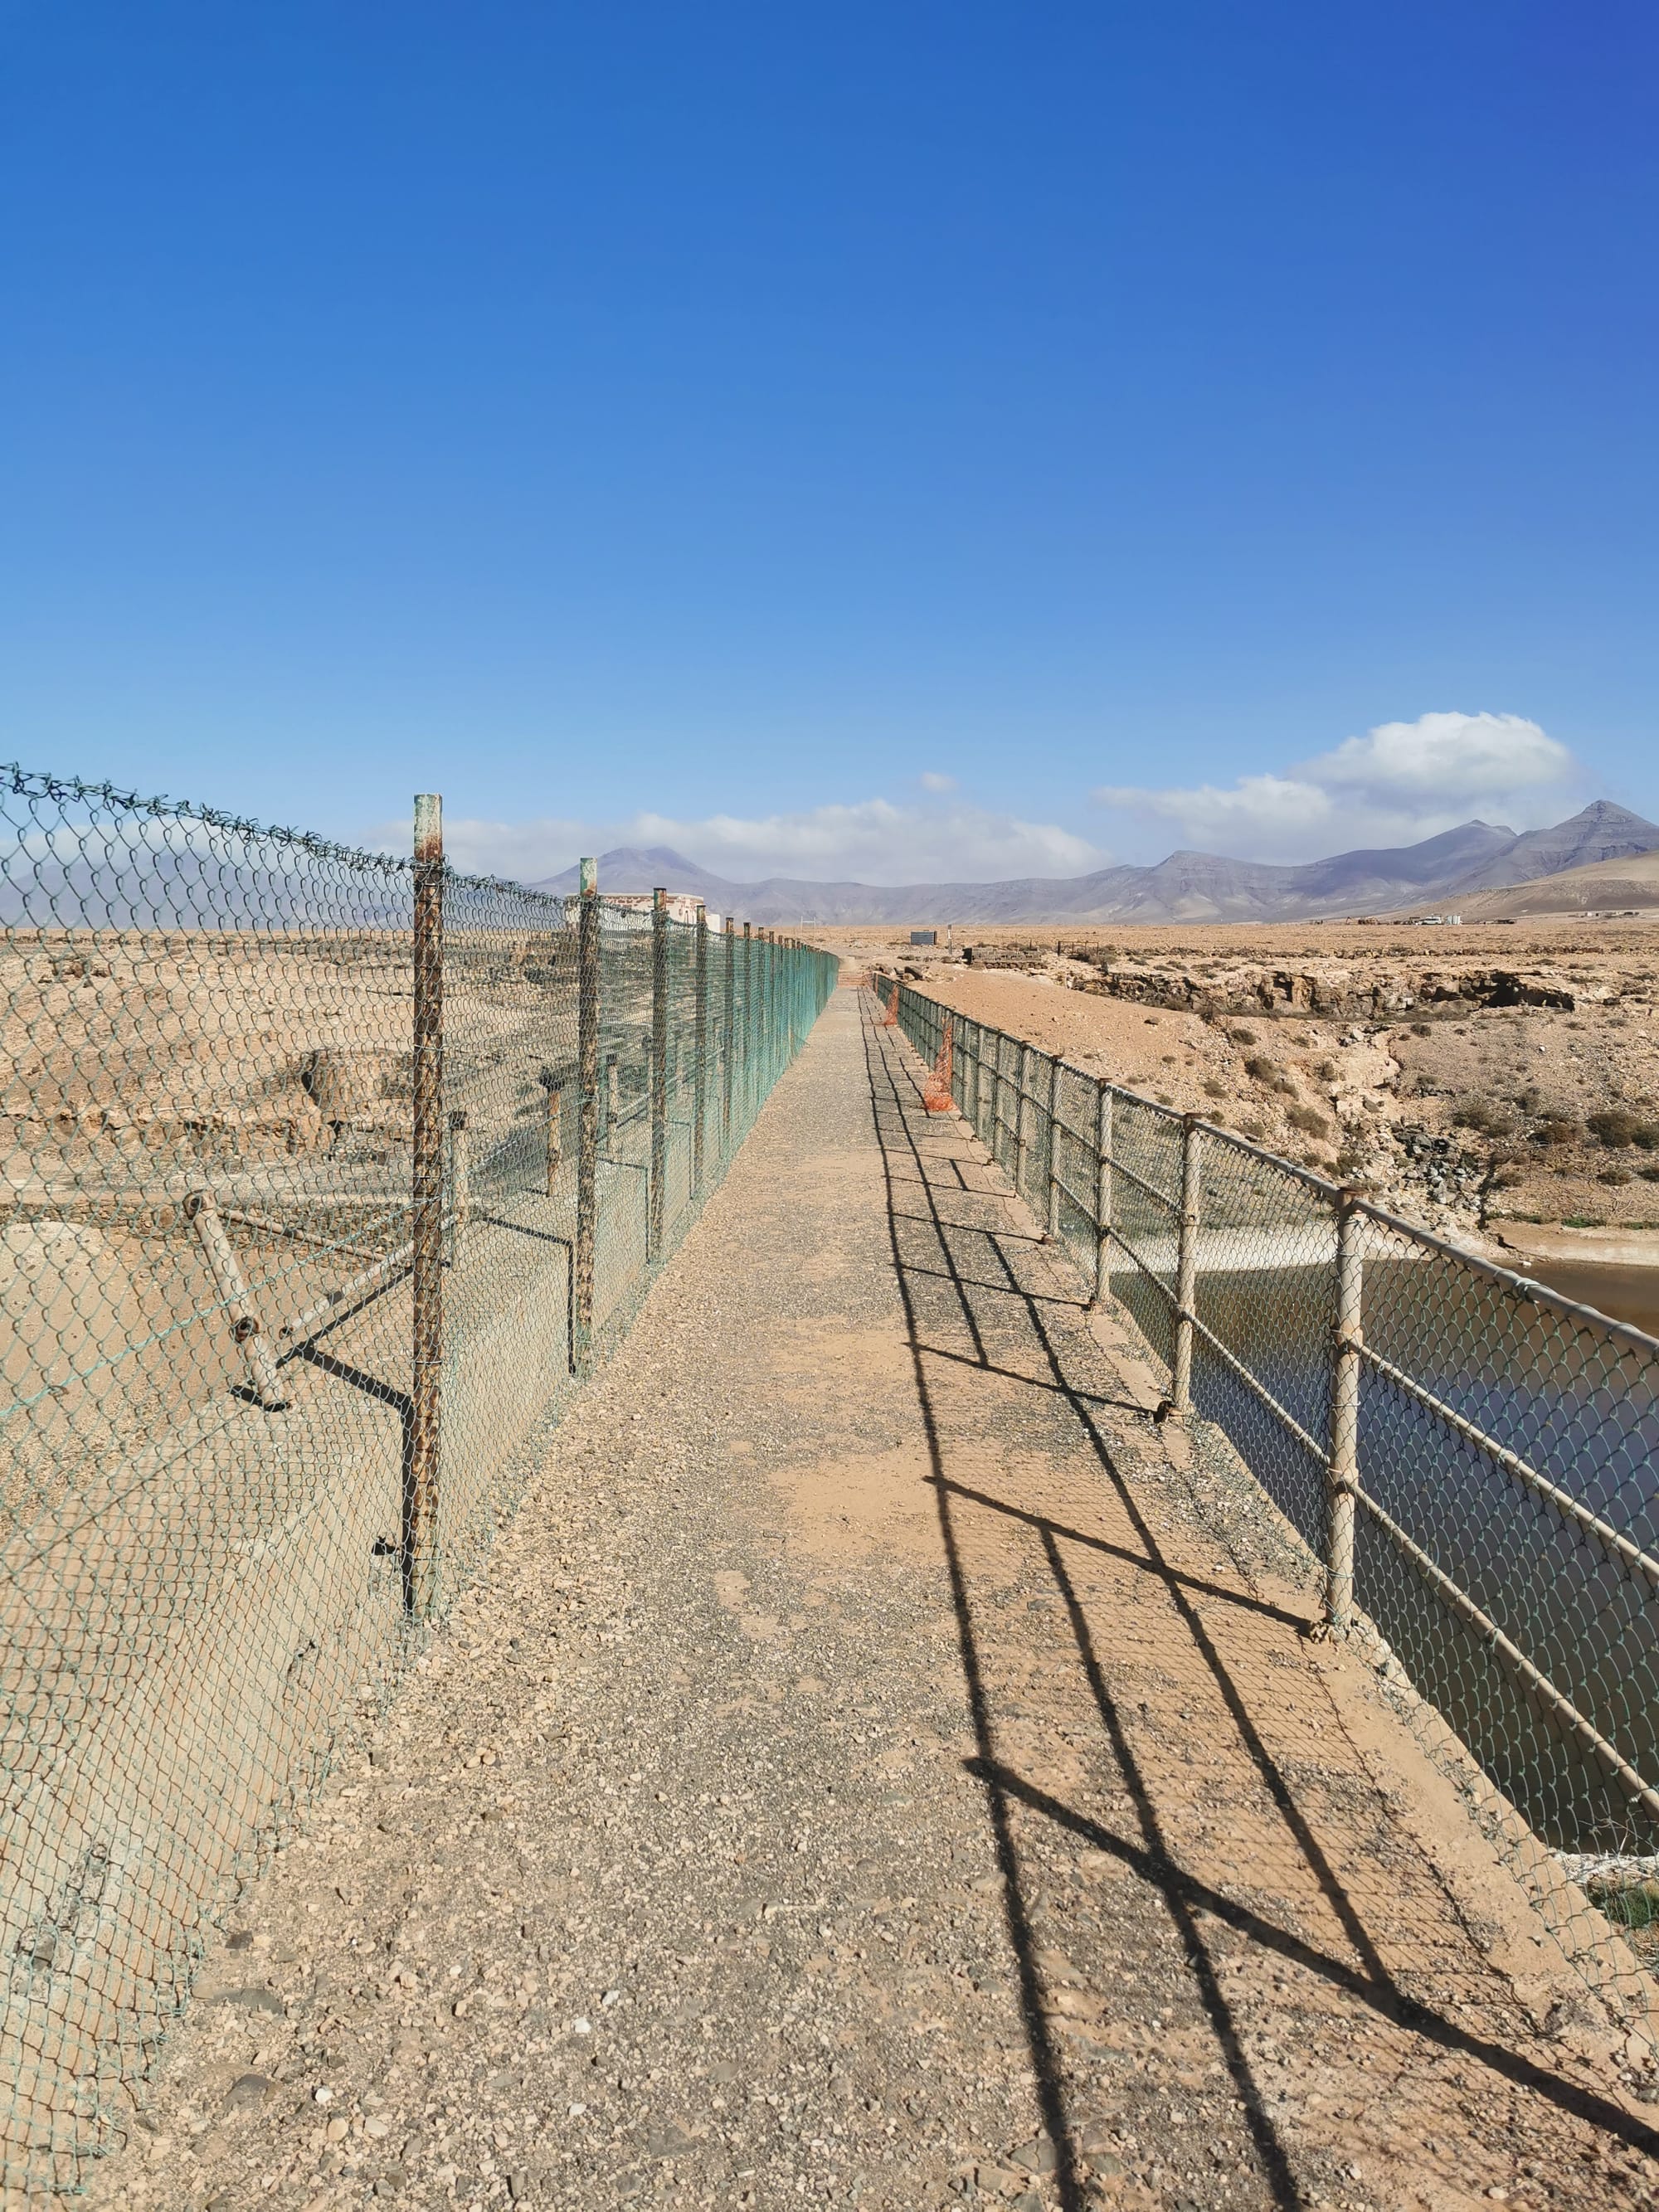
{"type": "Point", "coordinates": [1470, 1077]}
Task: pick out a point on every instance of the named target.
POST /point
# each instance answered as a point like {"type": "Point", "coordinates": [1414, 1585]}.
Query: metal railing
{"type": "Point", "coordinates": [1471, 1460]}
{"type": "Point", "coordinates": [327, 1175]}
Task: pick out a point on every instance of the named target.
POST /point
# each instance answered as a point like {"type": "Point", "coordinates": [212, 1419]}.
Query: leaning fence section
{"type": "Point", "coordinates": [326, 1176]}
{"type": "Point", "coordinates": [1467, 1461]}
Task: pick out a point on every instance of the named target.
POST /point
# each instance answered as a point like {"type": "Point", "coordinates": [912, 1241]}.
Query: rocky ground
{"type": "Point", "coordinates": [883, 1767]}
{"type": "Point", "coordinates": [1471, 1076]}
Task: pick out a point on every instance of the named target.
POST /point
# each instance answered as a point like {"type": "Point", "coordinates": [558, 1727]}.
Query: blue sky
{"type": "Point", "coordinates": [710, 423]}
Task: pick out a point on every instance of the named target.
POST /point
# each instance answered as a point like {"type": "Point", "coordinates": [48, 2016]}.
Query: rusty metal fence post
{"type": "Point", "coordinates": [780, 1055]}
{"type": "Point", "coordinates": [1051, 1150]}
{"type": "Point", "coordinates": [1344, 1412]}
{"type": "Point", "coordinates": [769, 1014]}
{"type": "Point", "coordinates": [748, 1020]}
{"type": "Point", "coordinates": [657, 1194]}
{"type": "Point", "coordinates": [422, 1472]}
{"type": "Point", "coordinates": [1181, 1364]}
{"type": "Point", "coordinates": [1021, 1090]}
{"type": "Point", "coordinates": [587, 1082]}
{"type": "Point", "coordinates": [1103, 1193]}
{"type": "Point", "coordinates": [700, 1051]}
{"type": "Point", "coordinates": [729, 1035]}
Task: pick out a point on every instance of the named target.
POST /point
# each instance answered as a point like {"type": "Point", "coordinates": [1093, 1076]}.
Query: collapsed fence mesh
{"type": "Point", "coordinates": [327, 1175]}
{"type": "Point", "coordinates": [1464, 1462]}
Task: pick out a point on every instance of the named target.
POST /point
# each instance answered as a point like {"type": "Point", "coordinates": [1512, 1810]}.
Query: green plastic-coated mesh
{"type": "Point", "coordinates": [225, 1528]}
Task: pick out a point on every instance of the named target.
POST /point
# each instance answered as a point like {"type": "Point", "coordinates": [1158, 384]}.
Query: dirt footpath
{"type": "Point", "coordinates": [866, 1777]}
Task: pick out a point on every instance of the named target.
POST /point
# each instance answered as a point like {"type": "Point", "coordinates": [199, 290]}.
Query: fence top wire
{"type": "Point", "coordinates": [39, 787]}
{"type": "Point", "coordinates": [73, 790]}
{"type": "Point", "coordinates": [1336, 1193]}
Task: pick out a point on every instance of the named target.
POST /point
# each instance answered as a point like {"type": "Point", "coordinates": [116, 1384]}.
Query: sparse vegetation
{"type": "Point", "coordinates": [1557, 1131]}
{"type": "Point", "coordinates": [1632, 1905]}
{"type": "Point", "coordinates": [1615, 1126]}
{"type": "Point", "coordinates": [1267, 1072]}
{"type": "Point", "coordinates": [1462, 1068]}
{"type": "Point", "coordinates": [1484, 1117]}
{"type": "Point", "coordinates": [1309, 1120]}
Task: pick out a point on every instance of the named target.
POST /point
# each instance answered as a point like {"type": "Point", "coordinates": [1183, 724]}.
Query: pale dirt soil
{"type": "Point", "coordinates": [881, 1768]}
{"type": "Point", "coordinates": [1380, 1055]}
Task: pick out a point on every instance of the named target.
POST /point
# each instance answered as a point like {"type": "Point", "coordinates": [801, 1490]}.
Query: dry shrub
{"type": "Point", "coordinates": [1614, 1126]}
{"type": "Point", "coordinates": [1484, 1117]}
{"type": "Point", "coordinates": [1264, 1071]}
{"type": "Point", "coordinates": [1557, 1131]}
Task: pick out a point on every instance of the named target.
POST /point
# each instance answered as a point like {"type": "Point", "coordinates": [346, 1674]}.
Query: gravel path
{"type": "Point", "coordinates": [865, 1777]}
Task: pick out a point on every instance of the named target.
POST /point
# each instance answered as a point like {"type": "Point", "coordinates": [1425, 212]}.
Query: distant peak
{"type": "Point", "coordinates": [663, 856]}
{"type": "Point", "coordinates": [1606, 809]}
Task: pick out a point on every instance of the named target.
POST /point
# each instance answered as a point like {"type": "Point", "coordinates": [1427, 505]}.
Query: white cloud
{"type": "Point", "coordinates": [871, 841]}
{"type": "Point", "coordinates": [1398, 782]}
{"type": "Point", "coordinates": [931, 778]}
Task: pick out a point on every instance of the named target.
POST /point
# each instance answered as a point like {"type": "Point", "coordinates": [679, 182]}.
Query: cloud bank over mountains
{"type": "Point", "coordinates": [1394, 785]}
{"type": "Point", "coordinates": [1398, 783]}
{"type": "Point", "coordinates": [874, 839]}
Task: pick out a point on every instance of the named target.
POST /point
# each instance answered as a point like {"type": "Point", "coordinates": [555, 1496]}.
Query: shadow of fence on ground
{"type": "Point", "coordinates": [967, 1261]}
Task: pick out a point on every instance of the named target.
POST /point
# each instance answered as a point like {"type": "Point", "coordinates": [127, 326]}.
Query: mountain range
{"type": "Point", "coordinates": [1478, 856]}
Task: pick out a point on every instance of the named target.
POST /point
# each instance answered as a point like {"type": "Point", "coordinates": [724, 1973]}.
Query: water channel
{"type": "Point", "coordinates": [1575, 1402]}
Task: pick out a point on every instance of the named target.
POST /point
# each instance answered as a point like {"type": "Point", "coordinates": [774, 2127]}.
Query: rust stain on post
{"type": "Point", "coordinates": [1343, 1486]}
{"type": "Point", "coordinates": [587, 1078]}
{"type": "Point", "coordinates": [700, 1052]}
{"type": "Point", "coordinates": [656, 1216]}
{"type": "Point", "coordinates": [1103, 1194]}
{"type": "Point", "coordinates": [422, 1472]}
{"type": "Point", "coordinates": [748, 1020]}
{"type": "Point", "coordinates": [1181, 1365]}
{"type": "Point", "coordinates": [729, 1042]}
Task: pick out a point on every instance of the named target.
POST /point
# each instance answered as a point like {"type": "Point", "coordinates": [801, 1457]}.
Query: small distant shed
{"type": "Point", "coordinates": [924, 937]}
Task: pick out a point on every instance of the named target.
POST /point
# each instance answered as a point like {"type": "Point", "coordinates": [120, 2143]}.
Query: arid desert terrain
{"type": "Point", "coordinates": [1497, 1082]}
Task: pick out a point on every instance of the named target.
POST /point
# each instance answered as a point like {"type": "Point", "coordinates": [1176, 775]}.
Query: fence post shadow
{"type": "Point", "coordinates": [1184, 1894]}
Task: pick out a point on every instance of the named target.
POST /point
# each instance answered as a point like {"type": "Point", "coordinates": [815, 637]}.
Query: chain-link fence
{"type": "Point", "coordinates": [327, 1175]}
{"type": "Point", "coordinates": [1466, 1461]}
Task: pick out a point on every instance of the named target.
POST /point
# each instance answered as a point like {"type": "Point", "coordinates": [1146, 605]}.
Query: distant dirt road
{"type": "Point", "coordinates": [865, 1777]}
